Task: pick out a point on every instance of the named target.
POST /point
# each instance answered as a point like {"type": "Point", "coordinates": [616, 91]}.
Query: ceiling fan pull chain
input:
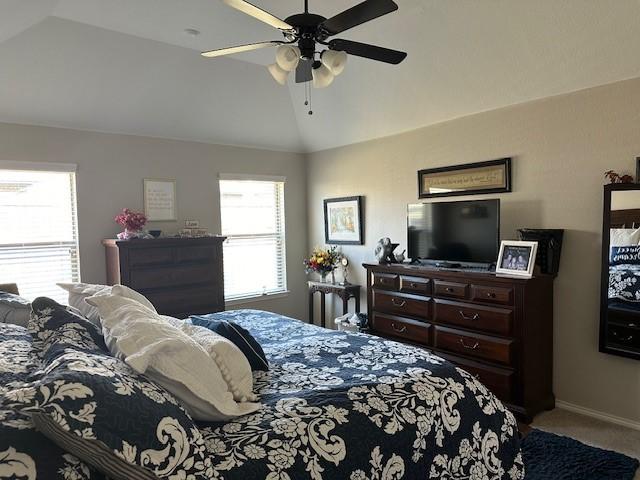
{"type": "Point", "coordinates": [310, 106]}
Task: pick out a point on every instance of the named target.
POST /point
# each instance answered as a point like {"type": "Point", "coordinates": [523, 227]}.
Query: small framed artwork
{"type": "Point", "coordinates": [517, 258]}
{"type": "Point", "coordinates": [470, 179]}
{"type": "Point", "coordinates": [160, 200]}
{"type": "Point", "coordinates": [343, 222]}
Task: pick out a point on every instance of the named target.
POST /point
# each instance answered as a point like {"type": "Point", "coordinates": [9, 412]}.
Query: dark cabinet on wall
{"type": "Point", "coordinates": [180, 276]}
{"type": "Point", "coordinates": [500, 329]}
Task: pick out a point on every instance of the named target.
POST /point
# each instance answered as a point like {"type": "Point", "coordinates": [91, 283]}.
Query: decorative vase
{"type": "Point", "coordinates": [128, 234]}
{"type": "Point", "coordinates": [323, 276]}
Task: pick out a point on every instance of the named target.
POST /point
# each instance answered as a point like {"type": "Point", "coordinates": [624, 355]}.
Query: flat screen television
{"type": "Point", "coordinates": [465, 232]}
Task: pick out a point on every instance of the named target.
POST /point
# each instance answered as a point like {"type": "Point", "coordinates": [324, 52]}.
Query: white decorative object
{"type": "Point", "coordinates": [160, 200]}
{"type": "Point", "coordinates": [161, 350]}
{"type": "Point", "coordinates": [517, 258]}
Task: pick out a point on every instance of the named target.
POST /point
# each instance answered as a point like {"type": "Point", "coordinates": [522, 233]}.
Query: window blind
{"type": "Point", "coordinates": [252, 214]}
{"type": "Point", "coordinates": [38, 231]}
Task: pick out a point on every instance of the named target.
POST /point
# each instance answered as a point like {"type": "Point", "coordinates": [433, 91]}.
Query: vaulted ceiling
{"type": "Point", "coordinates": [127, 66]}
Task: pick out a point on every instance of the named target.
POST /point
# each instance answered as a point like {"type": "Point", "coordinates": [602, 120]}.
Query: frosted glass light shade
{"type": "Point", "coordinates": [287, 57]}
{"type": "Point", "coordinates": [322, 76]}
{"type": "Point", "coordinates": [334, 61]}
{"type": "Point", "coordinates": [278, 74]}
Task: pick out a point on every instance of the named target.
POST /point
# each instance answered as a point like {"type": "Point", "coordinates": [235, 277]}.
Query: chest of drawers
{"type": "Point", "coordinates": [498, 328]}
{"type": "Point", "coordinates": [180, 276]}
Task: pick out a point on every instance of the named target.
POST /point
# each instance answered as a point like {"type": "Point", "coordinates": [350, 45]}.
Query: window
{"type": "Point", "coordinates": [252, 212]}
{"type": "Point", "coordinates": [38, 231]}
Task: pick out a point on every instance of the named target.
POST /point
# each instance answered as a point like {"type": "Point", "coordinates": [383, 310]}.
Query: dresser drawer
{"type": "Point", "coordinates": [412, 330]}
{"type": "Point", "coordinates": [403, 305]}
{"type": "Point", "coordinates": [416, 285]}
{"type": "Point", "coordinates": [480, 346]}
{"type": "Point", "coordinates": [476, 317]}
{"type": "Point", "coordinates": [498, 380]}
{"type": "Point", "coordinates": [484, 293]}
{"type": "Point", "coordinates": [386, 281]}
{"type": "Point", "coordinates": [174, 276]}
{"type": "Point", "coordinates": [198, 300]}
{"type": "Point", "coordinates": [142, 257]}
{"type": "Point", "coordinates": [450, 289]}
{"type": "Point", "coordinates": [195, 254]}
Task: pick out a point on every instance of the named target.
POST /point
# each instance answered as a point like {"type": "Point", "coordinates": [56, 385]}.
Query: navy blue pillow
{"type": "Point", "coordinates": [625, 255]}
{"type": "Point", "coordinates": [240, 337]}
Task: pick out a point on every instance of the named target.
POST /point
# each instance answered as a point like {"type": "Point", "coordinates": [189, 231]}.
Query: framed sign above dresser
{"type": "Point", "coordinates": [498, 328]}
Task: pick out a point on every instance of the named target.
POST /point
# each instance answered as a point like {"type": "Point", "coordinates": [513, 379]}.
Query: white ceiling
{"type": "Point", "coordinates": [126, 66]}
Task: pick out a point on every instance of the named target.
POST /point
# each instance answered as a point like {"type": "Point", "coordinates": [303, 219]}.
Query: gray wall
{"type": "Point", "coordinates": [111, 169]}
{"type": "Point", "coordinates": [561, 147]}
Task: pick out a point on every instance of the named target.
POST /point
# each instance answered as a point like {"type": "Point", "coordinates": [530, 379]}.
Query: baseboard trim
{"type": "Point", "coordinates": [599, 415]}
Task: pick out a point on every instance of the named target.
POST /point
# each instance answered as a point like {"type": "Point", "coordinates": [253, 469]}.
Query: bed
{"type": "Point", "coordinates": [336, 405]}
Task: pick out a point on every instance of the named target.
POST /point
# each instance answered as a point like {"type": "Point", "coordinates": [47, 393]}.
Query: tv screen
{"type": "Point", "coordinates": [465, 232]}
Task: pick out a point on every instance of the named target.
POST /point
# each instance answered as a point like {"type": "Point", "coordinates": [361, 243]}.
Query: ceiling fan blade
{"type": "Point", "coordinates": [304, 71]}
{"type": "Point", "coordinates": [258, 13]}
{"type": "Point", "coordinates": [361, 13]}
{"type": "Point", "coordinates": [368, 51]}
{"type": "Point", "coordinates": [238, 49]}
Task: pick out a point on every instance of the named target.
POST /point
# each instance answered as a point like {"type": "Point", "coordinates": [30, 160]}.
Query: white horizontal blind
{"type": "Point", "coordinates": [38, 232]}
{"type": "Point", "coordinates": [254, 254]}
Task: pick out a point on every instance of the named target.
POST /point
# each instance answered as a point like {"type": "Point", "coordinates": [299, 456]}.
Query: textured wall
{"type": "Point", "coordinates": [561, 146]}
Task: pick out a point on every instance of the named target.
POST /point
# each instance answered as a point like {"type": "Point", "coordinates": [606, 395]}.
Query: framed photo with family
{"type": "Point", "coordinates": [517, 258]}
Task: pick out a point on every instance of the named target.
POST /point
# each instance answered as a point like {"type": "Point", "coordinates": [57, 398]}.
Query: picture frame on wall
{"type": "Point", "coordinates": [343, 221]}
{"type": "Point", "coordinates": [493, 176]}
{"type": "Point", "coordinates": [517, 257]}
{"type": "Point", "coordinates": [160, 200]}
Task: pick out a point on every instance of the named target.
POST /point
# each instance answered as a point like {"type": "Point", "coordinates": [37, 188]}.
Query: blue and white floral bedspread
{"type": "Point", "coordinates": [624, 282]}
{"type": "Point", "coordinates": [354, 407]}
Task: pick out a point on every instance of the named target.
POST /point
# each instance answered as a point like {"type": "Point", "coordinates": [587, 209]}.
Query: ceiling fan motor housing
{"type": "Point", "coordinates": [307, 32]}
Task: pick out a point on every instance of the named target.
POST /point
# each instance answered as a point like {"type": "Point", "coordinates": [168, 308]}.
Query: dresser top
{"type": "Point", "coordinates": [163, 242]}
{"type": "Point", "coordinates": [429, 271]}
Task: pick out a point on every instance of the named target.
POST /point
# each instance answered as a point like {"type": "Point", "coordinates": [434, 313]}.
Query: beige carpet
{"type": "Point", "coordinates": [591, 431]}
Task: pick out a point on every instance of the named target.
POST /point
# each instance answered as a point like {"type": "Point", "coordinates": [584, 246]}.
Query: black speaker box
{"type": "Point", "coordinates": [549, 247]}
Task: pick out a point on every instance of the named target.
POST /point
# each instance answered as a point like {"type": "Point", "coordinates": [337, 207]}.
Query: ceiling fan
{"type": "Point", "coordinates": [305, 33]}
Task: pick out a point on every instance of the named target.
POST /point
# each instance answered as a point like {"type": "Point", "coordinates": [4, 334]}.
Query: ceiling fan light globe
{"type": "Point", "coordinates": [334, 61]}
{"type": "Point", "coordinates": [287, 57]}
{"type": "Point", "coordinates": [279, 74]}
{"type": "Point", "coordinates": [322, 77]}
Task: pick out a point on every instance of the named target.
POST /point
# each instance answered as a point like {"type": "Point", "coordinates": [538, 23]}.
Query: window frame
{"type": "Point", "coordinates": [282, 235]}
{"type": "Point", "coordinates": [54, 168]}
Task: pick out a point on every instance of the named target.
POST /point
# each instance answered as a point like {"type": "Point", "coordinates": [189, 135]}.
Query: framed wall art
{"type": "Point", "coordinates": [470, 179]}
{"type": "Point", "coordinates": [160, 200]}
{"type": "Point", "coordinates": [343, 221]}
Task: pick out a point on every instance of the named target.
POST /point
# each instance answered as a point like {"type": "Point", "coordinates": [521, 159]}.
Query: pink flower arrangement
{"type": "Point", "coordinates": [130, 220]}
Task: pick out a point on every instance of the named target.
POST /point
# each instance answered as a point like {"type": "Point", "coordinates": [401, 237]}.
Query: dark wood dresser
{"type": "Point", "coordinates": [180, 276]}
{"type": "Point", "coordinates": [498, 328]}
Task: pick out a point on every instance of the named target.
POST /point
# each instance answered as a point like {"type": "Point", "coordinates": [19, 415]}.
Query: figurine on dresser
{"type": "Point", "coordinates": [384, 251]}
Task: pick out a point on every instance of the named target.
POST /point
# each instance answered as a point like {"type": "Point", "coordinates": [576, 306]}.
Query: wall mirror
{"type": "Point", "coordinates": [620, 295]}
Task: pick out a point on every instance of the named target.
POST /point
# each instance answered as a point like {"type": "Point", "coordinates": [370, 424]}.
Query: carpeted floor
{"type": "Point", "coordinates": [591, 431]}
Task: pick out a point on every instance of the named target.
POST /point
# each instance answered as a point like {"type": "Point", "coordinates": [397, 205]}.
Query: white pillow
{"type": "Point", "coordinates": [624, 237]}
{"type": "Point", "coordinates": [79, 292]}
{"type": "Point", "coordinates": [167, 355]}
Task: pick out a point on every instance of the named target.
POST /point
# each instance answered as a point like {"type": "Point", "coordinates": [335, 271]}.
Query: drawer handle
{"type": "Point", "coordinates": [626, 339]}
{"type": "Point", "coordinates": [449, 289]}
{"type": "Point", "coordinates": [632, 325]}
{"type": "Point", "coordinates": [399, 329]}
{"type": "Point", "coordinates": [468, 347]}
{"type": "Point", "coordinates": [491, 295]}
{"type": "Point", "coordinates": [398, 303]}
{"type": "Point", "coordinates": [413, 285]}
{"type": "Point", "coordinates": [466, 317]}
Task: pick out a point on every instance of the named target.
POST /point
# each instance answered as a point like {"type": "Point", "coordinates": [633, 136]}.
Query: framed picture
{"type": "Point", "coordinates": [343, 222]}
{"type": "Point", "coordinates": [470, 179]}
{"type": "Point", "coordinates": [517, 257]}
{"type": "Point", "coordinates": [160, 200]}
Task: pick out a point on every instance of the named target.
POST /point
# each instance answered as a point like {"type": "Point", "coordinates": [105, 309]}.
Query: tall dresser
{"type": "Point", "coordinates": [498, 328]}
{"type": "Point", "coordinates": [180, 276]}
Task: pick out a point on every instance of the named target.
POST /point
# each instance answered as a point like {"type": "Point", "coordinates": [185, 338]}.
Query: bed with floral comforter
{"type": "Point", "coordinates": [335, 406]}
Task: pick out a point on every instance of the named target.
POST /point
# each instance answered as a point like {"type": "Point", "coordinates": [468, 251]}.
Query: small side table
{"type": "Point", "coordinates": [345, 292]}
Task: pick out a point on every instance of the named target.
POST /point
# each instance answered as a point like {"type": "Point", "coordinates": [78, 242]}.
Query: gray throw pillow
{"type": "Point", "coordinates": [14, 309]}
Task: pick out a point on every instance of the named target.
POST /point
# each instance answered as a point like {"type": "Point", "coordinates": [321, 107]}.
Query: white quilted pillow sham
{"type": "Point", "coordinates": [163, 352]}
